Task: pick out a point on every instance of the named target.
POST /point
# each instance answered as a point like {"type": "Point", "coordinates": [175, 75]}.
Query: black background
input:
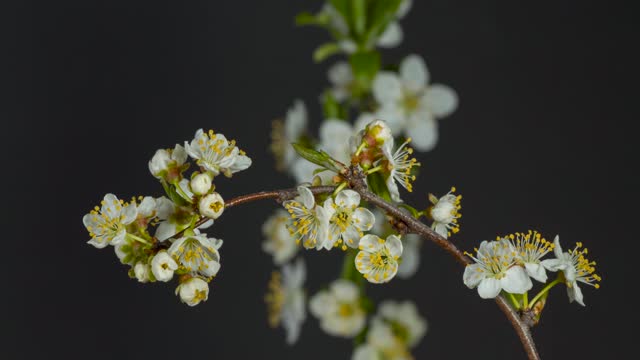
{"type": "Point", "coordinates": [543, 138]}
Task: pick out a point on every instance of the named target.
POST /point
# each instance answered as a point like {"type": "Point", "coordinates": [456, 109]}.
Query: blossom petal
{"type": "Point", "coordinates": [393, 115]}
{"type": "Point", "coordinates": [472, 276]}
{"type": "Point", "coordinates": [387, 88]}
{"type": "Point", "coordinates": [344, 291]}
{"type": "Point", "coordinates": [516, 281]}
{"type": "Point", "coordinates": [414, 73]}
{"type": "Point", "coordinates": [489, 288]}
{"type": "Point", "coordinates": [557, 249]}
{"type": "Point", "coordinates": [340, 73]}
{"type": "Point", "coordinates": [441, 100]}
{"type": "Point", "coordinates": [394, 245]}
{"type": "Point", "coordinates": [391, 36]}
{"type": "Point", "coordinates": [536, 271]}
{"type": "Point", "coordinates": [422, 128]}
{"type": "Point", "coordinates": [393, 189]}
{"type": "Point", "coordinates": [363, 219]}
{"type": "Point", "coordinates": [307, 197]}
{"type": "Point", "coordinates": [351, 237]}
{"type": "Point", "coordinates": [347, 198]}
{"type": "Point", "coordinates": [553, 264]}
{"type": "Point", "coordinates": [370, 243]}
{"type": "Point", "coordinates": [575, 294]}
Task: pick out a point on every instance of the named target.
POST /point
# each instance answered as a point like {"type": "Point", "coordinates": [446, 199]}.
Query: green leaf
{"type": "Point", "coordinates": [414, 212]}
{"type": "Point", "coordinates": [358, 15]}
{"type": "Point", "coordinates": [365, 66]}
{"type": "Point", "coordinates": [330, 106]}
{"type": "Point", "coordinates": [307, 18]}
{"type": "Point", "coordinates": [172, 194]}
{"type": "Point", "coordinates": [381, 12]}
{"type": "Point", "coordinates": [342, 6]}
{"type": "Point", "coordinates": [324, 51]}
{"type": "Point", "coordinates": [378, 186]}
{"type": "Point", "coordinates": [318, 157]}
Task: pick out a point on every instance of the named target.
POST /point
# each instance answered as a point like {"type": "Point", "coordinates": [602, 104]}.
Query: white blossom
{"type": "Point", "coordinates": [211, 205]}
{"type": "Point", "coordinates": [410, 261]}
{"type": "Point", "coordinates": [142, 271]}
{"type": "Point", "coordinates": [197, 254]}
{"type": "Point", "coordinates": [575, 267]}
{"type": "Point", "coordinates": [377, 259]}
{"type": "Point", "coordinates": [410, 105]}
{"type": "Point", "coordinates": [398, 166]}
{"type": "Point", "coordinates": [496, 269]}
{"type": "Point", "coordinates": [339, 309]}
{"type": "Point", "coordinates": [278, 241]}
{"type": "Point", "coordinates": [168, 163]}
{"type": "Point", "coordinates": [217, 154]}
{"type": "Point", "coordinates": [366, 352]}
{"type": "Point", "coordinates": [347, 220]}
{"type": "Point", "coordinates": [286, 300]}
{"type": "Point", "coordinates": [286, 132]}
{"type": "Point", "coordinates": [530, 248]}
{"type": "Point", "coordinates": [310, 223]}
{"type": "Point", "coordinates": [107, 224]}
{"type": "Point", "coordinates": [404, 319]}
{"type": "Point", "coordinates": [201, 184]}
{"type": "Point", "coordinates": [445, 213]}
{"type": "Point", "coordinates": [342, 80]}
{"type": "Point", "coordinates": [193, 291]}
{"type": "Point", "coordinates": [163, 266]}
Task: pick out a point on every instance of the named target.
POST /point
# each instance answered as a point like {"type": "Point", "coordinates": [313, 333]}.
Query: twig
{"type": "Point", "coordinates": [414, 225]}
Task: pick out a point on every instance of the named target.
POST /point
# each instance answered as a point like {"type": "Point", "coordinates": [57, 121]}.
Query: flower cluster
{"type": "Point", "coordinates": [394, 330]}
{"type": "Point", "coordinates": [160, 238]}
{"type": "Point", "coordinates": [509, 263]}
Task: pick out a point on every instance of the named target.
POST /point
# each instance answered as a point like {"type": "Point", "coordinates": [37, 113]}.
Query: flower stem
{"type": "Point", "coordinates": [545, 290]}
{"type": "Point", "coordinates": [340, 187]}
{"type": "Point", "coordinates": [525, 300]}
{"type": "Point", "coordinates": [360, 148]}
{"type": "Point", "coordinates": [514, 301]}
{"type": "Point", "coordinates": [138, 238]}
{"type": "Point", "coordinates": [375, 169]}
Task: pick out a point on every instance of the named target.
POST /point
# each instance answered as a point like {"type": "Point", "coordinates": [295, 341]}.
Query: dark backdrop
{"type": "Point", "coordinates": [543, 139]}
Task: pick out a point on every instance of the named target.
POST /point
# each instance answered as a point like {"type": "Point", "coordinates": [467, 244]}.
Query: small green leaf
{"type": "Point", "coordinates": [318, 157]}
{"type": "Point", "coordinates": [381, 12]}
{"type": "Point", "coordinates": [365, 66]}
{"type": "Point", "coordinates": [358, 15]}
{"type": "Point", "coordinates": [378, 186]}
{"type": "Point", "coordinates": [324, 51]}
{"type": "Point", "coordinates": [414, 212]}
{"type": "Point", "coordinates": [307, 18]}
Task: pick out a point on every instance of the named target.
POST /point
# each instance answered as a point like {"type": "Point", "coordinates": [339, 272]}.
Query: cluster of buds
{"type": "Point", "coordinates": [159, 238]}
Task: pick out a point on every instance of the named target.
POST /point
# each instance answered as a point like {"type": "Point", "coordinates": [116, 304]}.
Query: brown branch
{"type": "Point", "coordinates": [426, 232]}
{"type": "Point", "coordinates": [416, 226]}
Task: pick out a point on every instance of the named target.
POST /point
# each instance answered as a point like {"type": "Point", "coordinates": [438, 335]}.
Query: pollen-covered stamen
{"type": "Point", "coordinates": [530, 246]}
{"type": "Point", "coordinates": [401, 164]}
{"type": "Point", "coordinates": [495, 260]}
{"type": "Point", "coordinates": [305, 225]}
{"type": "Point", "coordinates": [275, 299]}
{"type": "Point", "coordinates": [585, 269]}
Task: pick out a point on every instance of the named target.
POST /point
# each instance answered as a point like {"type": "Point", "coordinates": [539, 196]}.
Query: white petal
{"type": "Point", "coordinates": [363, 120]}
{"type": "Point", "coordinates": [394, 245]}
{"type": "Point", "coordinates": [387, 88]}
{"type": "Point", "coordinates": [414, 73]}
{"type": "Point", "coordinates": [472, 275]}
{"type": "Point", "coordinates": [410, 256]}
{"type": "Point", "coordinates": [404, 8]}
{"type": "Point", "coordinates": [536, 271]}
{"type": "Point", "coordinates": [394, 116]}
{"type": "Point", "coordinates": [340, 73]}
{"type": "Point", "coordinates": [393, 189]}
{"type": "Point", "coordinates": [307, 197]}
{"type": "Point", "coordinates": [347, 198]}
{"type": "Point", "coordinates": [391, 37]}
{"type": "Point", "coordinates": [351, 237]}
{"type": "Point", "coordinates": [489, 288]}
{"type": "Point", "coordinates": [165, 230]}
{"type": "Point", "coordinates": [370, 243]}
{"type": "Point", "coordinates": [575, 293]}
{"type": "Point", "coordinates": [441, 100]}
{"type": "Point", "coordinates": [516, 281]}
{"type": "Point", "coordinates": [554, 264]}
{"type": "Point", "coordinates": [321, 304]}
{"type": "Point", "coordinates": [423, 130]}
{"type": "Point", "coordinates": [363, 219]}
{"type": "Point", "coordinates": [345, 291]}
{"type": "Point", "coordinates": [557, 249]}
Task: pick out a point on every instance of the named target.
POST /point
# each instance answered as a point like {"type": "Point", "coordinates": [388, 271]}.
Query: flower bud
{"type": "Point", "coordinates": [201, 184]}
{"type": "Point", "coordinates": [163, 266]}
{"type": "Point", "coordinates": [211, 206]}
{"type": "Point", "coordinates": [159, 162]}
{"type": "Point", "coordinates": [141, 271]}
{"type": "Point", "coordinates": [378, 132]}
{"type": "Point", "coordinates": [193, 291]}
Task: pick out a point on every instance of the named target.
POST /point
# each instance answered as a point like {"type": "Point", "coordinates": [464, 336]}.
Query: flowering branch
{"type": "Point", "coordinates": [412, 225]}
